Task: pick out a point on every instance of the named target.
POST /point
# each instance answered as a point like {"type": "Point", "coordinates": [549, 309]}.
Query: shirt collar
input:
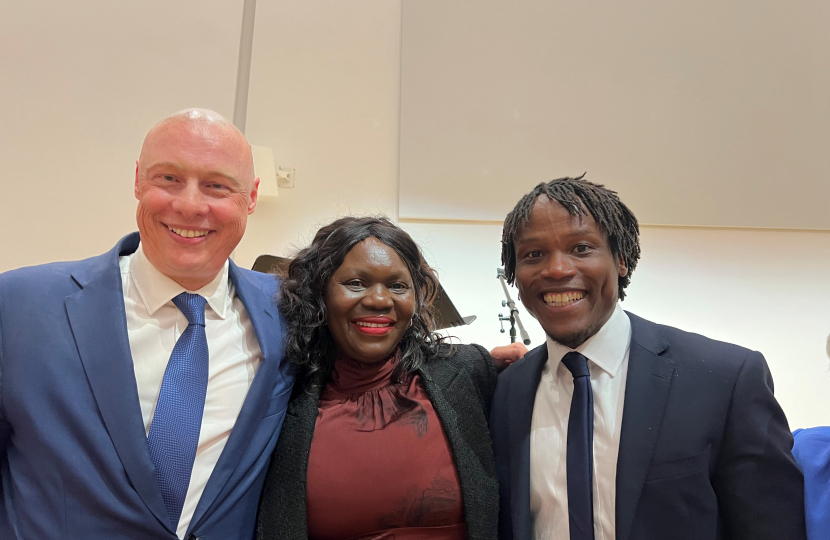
{"type": "Point", "coordinates": [607, 348]}
{"type": "Point", "coordinates": [156, 289]}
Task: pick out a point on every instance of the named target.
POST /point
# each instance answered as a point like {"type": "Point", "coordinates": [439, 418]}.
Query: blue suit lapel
{"type": "Point", "coordinates": [261, 308]}
{"type": "Point", "coordinates": [647, 389]}
{"type": "Point", "coordinates": [522, 395]}
{"type": "Point", "coordinates": [99, 325]}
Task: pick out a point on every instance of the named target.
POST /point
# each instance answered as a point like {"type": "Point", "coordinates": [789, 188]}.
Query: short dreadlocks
{"type": "Point", "coordinates": [578, 196]}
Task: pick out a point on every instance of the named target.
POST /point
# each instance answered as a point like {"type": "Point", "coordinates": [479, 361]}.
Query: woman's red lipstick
{"type": "Point", "coordinates": [375, 326]}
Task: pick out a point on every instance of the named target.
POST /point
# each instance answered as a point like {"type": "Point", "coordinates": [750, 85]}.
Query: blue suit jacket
{"type": "Point", "coordinates": [812, 452]}
{"type": "Point", "coordinates": [74, 460]}
{"type": "Point", "coordinates": [704, 446]}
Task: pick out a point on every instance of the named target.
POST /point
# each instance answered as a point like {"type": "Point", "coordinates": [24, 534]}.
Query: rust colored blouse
{"type": "Point", "coordinates": [380, 465]}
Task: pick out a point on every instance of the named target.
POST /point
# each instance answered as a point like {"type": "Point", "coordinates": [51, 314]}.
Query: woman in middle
{"type": "Point", "coordinates": [386, 433]}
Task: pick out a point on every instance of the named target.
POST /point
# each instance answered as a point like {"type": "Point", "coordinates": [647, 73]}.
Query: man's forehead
{"type": "Point", "coordinates": [572, 224]}
{"type": "Point", "coordinates": [204, 131]}
{"type": "Point", "coordinates": [543, 207]}
{"type": "Point", "coordinates": [172, 141]}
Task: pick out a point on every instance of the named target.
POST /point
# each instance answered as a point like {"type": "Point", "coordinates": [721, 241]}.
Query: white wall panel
{"type": "Point", "coordinates": [699, 112]}
{"type": "Point", "coordinates": [80, 84]}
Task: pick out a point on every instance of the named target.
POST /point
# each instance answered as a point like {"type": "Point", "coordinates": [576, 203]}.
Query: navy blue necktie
{"type": "Point", "coordinates": [580, 460]}
{"type": "Point", "coordinates": [174, 433]}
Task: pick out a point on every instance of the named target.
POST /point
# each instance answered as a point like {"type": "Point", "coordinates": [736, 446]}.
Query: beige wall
{"type": "Point", "coordinates": [80, 84]}
{"type": "Point", "coordinates": [699, 112]}
{"type": "Point", "coordinates": [325, 85]}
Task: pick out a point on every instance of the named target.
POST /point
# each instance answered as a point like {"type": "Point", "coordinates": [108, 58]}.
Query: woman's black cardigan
{"type": "Point", "coordinates": [460, 388]}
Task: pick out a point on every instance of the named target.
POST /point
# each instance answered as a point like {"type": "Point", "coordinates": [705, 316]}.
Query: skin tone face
{"type": "Point", "coordinates": [566, 273]}
{"type": "Point", "coordinates": [370, 302]}
{"type": "Point", "coordinates": [195, 187]}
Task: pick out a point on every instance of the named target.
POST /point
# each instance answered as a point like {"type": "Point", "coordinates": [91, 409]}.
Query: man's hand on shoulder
{"type": "Point", "coordinates": [507, 354]}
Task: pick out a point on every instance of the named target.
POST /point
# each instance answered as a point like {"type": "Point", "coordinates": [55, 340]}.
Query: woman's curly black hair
{"type": "Point", "coordinates": [309, 344]}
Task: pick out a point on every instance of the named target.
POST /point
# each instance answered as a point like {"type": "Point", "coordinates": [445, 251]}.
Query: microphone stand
{"type": "Point", "coordinates": [514, 313]}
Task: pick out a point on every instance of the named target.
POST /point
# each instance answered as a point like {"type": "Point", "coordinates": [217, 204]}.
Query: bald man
{"type": "Point", "coordinates": [142, 391]}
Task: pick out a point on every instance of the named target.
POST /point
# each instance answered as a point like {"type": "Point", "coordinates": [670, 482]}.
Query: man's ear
{"type": "Point", "coordinates": [623, 269]}
{"type": "Point", "coordinates": [254, 196]}
{"type": "Point", "coordinates": [135, 187]}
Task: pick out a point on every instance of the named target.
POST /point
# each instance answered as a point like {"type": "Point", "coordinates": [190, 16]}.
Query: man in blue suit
{"type": "Point", "coordinates": [142, 391]}
{"type": "Point", "coordinates": [618, 428]}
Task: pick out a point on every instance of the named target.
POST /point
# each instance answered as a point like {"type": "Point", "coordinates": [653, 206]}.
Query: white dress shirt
{"type": "Point", "coordinates": [607, 353]}
{"type": "Point", "coordinates": [154, 324]}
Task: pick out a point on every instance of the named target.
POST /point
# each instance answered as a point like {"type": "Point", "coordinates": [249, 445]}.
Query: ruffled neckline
{"type": "Point", "coordinates": [351, 376]}
{"type": "Point", "coordinates": [366, 397]}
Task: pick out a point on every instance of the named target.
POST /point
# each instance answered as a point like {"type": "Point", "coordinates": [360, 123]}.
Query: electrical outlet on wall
{"type": "Point", "coordinates": [285, 177]}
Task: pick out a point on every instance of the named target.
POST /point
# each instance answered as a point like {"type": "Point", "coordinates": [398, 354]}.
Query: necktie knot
{"type": "Point", "coordinates": [192, 306]}
{"type": "Point", "coordinates": [576, 364]}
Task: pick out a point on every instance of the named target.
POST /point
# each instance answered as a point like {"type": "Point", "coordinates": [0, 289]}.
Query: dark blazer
{"type": "Point", "coordinates": [704, 449]}
{"type": "Point", "coordinates": [74, 460]}
{"type": "Point", "coordinates": [460, 388]}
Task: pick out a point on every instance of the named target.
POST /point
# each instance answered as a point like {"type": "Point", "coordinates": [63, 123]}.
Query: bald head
{"type": "Point", "coordinates": [206, 123]}
{"type": "Point", "coordinates": [196, 115]}
{"type": "Point", "coordinates": [195, 187]}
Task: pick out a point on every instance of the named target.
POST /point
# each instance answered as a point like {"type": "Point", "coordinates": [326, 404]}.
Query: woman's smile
{"type": "Point", "coordinates": [375, 326]}
{"type": "Point", "coordinates": [370, 301]}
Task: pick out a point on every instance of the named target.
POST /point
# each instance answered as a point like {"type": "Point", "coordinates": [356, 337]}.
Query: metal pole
{"type": "Point", "coordinates": [243, 68]}
{"type": "Point", "coordinates": [513, 311]}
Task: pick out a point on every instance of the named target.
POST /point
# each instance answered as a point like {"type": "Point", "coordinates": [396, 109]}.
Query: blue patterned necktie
{"type": "Point", "coordinates": [174, 433]}
{"type": "Point", "coordinates": [580, 458]}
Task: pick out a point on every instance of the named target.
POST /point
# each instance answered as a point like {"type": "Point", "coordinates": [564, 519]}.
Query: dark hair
{"type": "Point", "coordinates": [310, 345]}
{"type": "Point", "coordinates": [578, 196]}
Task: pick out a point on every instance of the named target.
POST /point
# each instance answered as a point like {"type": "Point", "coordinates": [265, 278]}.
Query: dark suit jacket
{"type": "Point", "coordinates": [74, 459]}
{"type": "Point", "coordinates": [460, 388]}
{"type": "Point", "coordinates": [704, 449]}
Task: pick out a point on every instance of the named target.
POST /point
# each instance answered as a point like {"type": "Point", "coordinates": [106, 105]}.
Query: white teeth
{"type": "Point", "coordinates": [372, 325]}
{"type": "Point", "coordinates": [185, 233]}
{"type": "Point", "coordinates": [563, 299]}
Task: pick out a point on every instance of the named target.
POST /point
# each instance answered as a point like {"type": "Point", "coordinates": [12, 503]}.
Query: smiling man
{"type": "Point", "coordinates": [142, 391]}
{"type": "Point", "coordinates": [618, 428]}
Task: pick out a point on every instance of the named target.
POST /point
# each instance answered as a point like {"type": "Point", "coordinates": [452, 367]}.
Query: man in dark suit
{"type": "Point", "coordinates": [142, 391]}
{"type": "Point", "coordinates": [619, 428]}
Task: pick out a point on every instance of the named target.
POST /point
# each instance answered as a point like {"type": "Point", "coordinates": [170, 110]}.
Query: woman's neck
{"type": "Point", "coordinates": [352, 376]}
